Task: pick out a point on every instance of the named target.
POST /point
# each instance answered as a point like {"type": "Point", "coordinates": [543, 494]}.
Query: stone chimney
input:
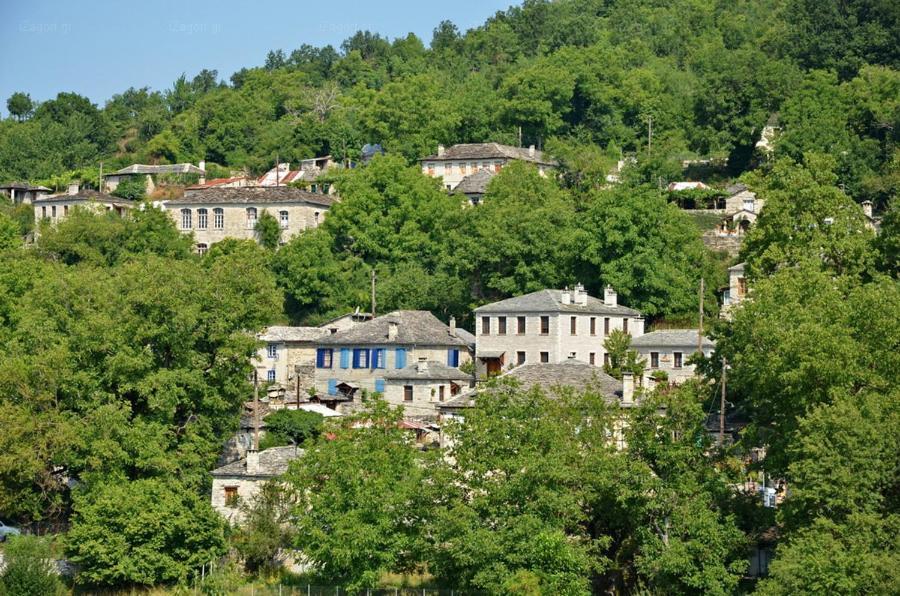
{"type": "Point", "coordinates": [422, 365]}
{"type": "Point", "coordinates": [441, 150]}
{"type": "Point", "coordinates": [393, 328]}
{"type": "Point", "coordinates": [73, 188]}
{"type": "Point", "coordinates": [627, 388]}
{"type": "Point", "coordinates": [867, 208]}
{"type": "Point", "coordinates": [202, 166]}
{"type": "Point", "coordinates": [531, 151]}
{"type": "Point", "coordinates": [566, 296]}
{"type": "Point", "coordinates": [252, 461]}
{"type": "Point", "coordinates": [580, 295]}
{"type": "Point", "coordinates": [610, 298]}
{"type": "Point", "coordinates": [453, 326]}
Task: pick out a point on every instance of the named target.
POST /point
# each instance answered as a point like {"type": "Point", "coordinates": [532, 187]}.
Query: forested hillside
{"type": "Point", "coordinates": [124, 356]}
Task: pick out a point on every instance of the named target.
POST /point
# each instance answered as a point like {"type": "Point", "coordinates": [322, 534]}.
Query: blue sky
{"type": "Point", "coordinates": [98, 48]}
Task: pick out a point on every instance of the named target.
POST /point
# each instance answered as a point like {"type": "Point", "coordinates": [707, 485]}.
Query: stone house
{"type": "Point", "coordinates": [240, 481]}
{"type": "Point", "coordinates": [308, 173]}
{"type": "Point", "coordinates": [23, 193]}
{"type": "Point", "coordinates": [218, 213]}
{"type": "Point", "coordinates": [153, 174]}
{"type": "Point", "coordinates": [232, 182]}
{"type": "Point", "coordinates": [668, 351]}
{"type": "Point", "coordinates": [424, 385]}
{"type": "Point", "coordinates": [736, 291]}
{"type": "Point", "coordinates": [55, 208]}
{"type": "Point", "coordinates": [288, 358]}
{"type": "Point", "coordinates": [453, 164]}
{"type": "Point", "coordinates": [355, 360]}
{"type": "Point", "coordinates": [549, 326]}
{"type": "Point", "coordinates": [344, 322]}
{"type": "Point", "coordinates": [475, 185]}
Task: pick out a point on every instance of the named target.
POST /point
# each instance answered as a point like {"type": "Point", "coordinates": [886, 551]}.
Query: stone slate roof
{"type": "Point", "coordinates": [278, 333]}
{"type": "Point", "coordinates": [475, 184]}
{"type": "Point", "coordinates": [734, 189]}
{"type": "Point", "coordinates": [86, 195]}
{"type": "Point", "coordinates": [434, 371]}
{"type": "Point", "coordinates": [671, 338]}
{"type": "Point", "coordinates": [175, 168]}
{"type": "Point", "coordinates": [253, 195]}
{"type": "Point", "coordinates": [550, 301]}
{"type": "Point", "coordinates": [491, 151]}
{"type": "Point", "coordinates": [22, 186]}
{"type": "Point", "coordinates": [466, 336]}
{"type": "Point", "coordinates": [568, 373]}
{"type": "Point", "coordinates": [273, 461]}
{"type": "Point", "coordinates": [738, 267]}
{"type": "Point", "coordinates": [414, 327]}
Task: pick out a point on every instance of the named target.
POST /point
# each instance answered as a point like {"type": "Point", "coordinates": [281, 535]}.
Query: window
{"type": "Point", "coordinates": [453, 357]}
{"type": "Point", "coordinates": [407, 393]}
{"type": "Point", "coordinates": [441, 393]}
{"type": "Point", "coordinates": [448, 168]}
{"type": "Point", "coordinates": [573, 325]}
{"type": "Point", "coordinates": [251, 218]}
{"type": "Point", "coordinates": [201, 219]}
{"type": "Point", "coordinates": [606, 360]}
{"type": "Point", "coordinates": [53, 211]}
{"type": "Point", "coordinates": [592, 358]}
{"type": "Point", "coordinates": [324, 357]}
{"type": "Point", "coordinates": [676, 357]}
{"type": "Point", "coordinates": [501, 325]}
{"type": "Point", "coordinates": [218, 218]}
{"type": "Point", "coordinates": [316, 218]}
{"type": "Point", "coordinates": [625, 325]}
{"type": "Point", "coordinates": [270, 376]}
{"type": "Point", "coordinates": [520, 358]}
{"type": "Point", "coordinates": [485, 325]}
{"type": "Point", "coordinates": [378, 358]}
{"type": "Point", "coordinates": [400, 358]}
{"type": "Point", "coordinates": [605, 325]}
{"type": "Point", "coordinates": [272, 351]}
{"type": "Point", "coordinates": [202, 248]}
{"type": "Point", "coordinates": [379, 386]}
{"type": "Point", "coordinates": [742, 287]}
{"type": "Point", "coordinates": [497, 166]}
{"type": "Point", "coordinates": [430, 168]}
{"type": "Point", "coordinates": [283, 218]}
{"type": "Point", "coordinates": [360, 358]}
{"type": "Point", "coordinates": [545, 357]}
{"type": "Point", "coordinates": [44, 211]}
{"type": "Point", "coordinates": [521, 325]}
{"type": "Point", "coordinates": [545, 325]}
{"type": "Point", "coordinates": [345, 358]}
{"type": "Point", "coordinates": [65, 210]}
{"type": "Point", "coordinates": [654, 359]}
{"type": "Point", "coordinates": [186, 223]}
{"type": "Point", "coordinates": [593, 325]}
{"type": "Point", "coordinates": [231, 496]}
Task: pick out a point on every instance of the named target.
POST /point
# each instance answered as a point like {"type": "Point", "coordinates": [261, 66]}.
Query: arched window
{"type": "Point", "coordinates": [202, 248]}
{"type": "Point", "coordinates": [251, 218]}
{"type": "Point", "coordinates": [283, 218]}
{"type": "Point", "coordinates": [186, 219]}
{"type": "Point", "coordinates": [316, 218]}
{"type": "Point", "coordinates": [218, 218]}
{"type": "Point", "coordinates": [201, 219]}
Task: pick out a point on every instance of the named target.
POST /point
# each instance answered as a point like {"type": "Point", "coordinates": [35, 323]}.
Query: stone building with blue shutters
{"type": "Point", "coordinates": [356, 360]}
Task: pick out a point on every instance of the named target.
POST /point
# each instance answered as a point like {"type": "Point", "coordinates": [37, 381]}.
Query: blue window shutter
{"type": "Point", "coordinates": [355, 357]}
{"type": "Point", "coordinates": [382, 358]}
{"type": "Point", "coordinates": [379, 385]}
{"type": "Point", "coordinates": [400, 356]}
{"type": "Point", "coordinates": [455, 357]}
{"type": "Point", "coordinates": [332, 386]}
{"type": "Point", "coordinates": [320, 358]}
{"type": "Point", "coordinates": [345, 357]}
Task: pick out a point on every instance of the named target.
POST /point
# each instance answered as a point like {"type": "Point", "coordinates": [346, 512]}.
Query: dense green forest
{"type": "Point", "coordinates": [124, 357]}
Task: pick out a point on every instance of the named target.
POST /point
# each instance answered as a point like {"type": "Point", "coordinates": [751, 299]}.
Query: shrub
{"type": "Point", "coordinates": [29, 568]}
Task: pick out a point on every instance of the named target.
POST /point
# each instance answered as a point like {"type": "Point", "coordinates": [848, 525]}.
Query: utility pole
{"type": "Point", "coordinates": [722, 406]}
{"type": "Point", "coordinates": [373, 293]}
{"type": "Point", "coordinates": [520, 136]}
{"type": "Point", "coordinates": [700, 331]}
{"type": "Point", "coordinates": [255, 410]}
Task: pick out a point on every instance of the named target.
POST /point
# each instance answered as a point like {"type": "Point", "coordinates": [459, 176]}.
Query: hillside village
{"type": "Point", "coordinates": [593, 298]}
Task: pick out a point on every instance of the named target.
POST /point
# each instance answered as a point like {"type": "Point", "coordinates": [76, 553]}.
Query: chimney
{"type": "Point", "coordinates": [566, 296]}
{"type": "Point", "coordinates": [453, 326]}
{"type": "Point", "coordinates": [531, 151]}
{"type": "Point", "coordinates": [252, 461]}
{"type": "Point", "coordinates": [580, 295]}
{"type": "Point", "coordinates": [440, 150]}
{"type": "Point", "coordinates": [202, 166]}
{"type": "Point", "coordinates": [627, 388]}
{"type": "Point", "coordinates": [610, 298]}
{"type": "Point", "coordinates": [867, 208]}
{"type": "Point", "coordinates": [422, 366]}
{"type": "Point", "coordinates": [73, 188]}
{"type": "Point", "coordinates": [393, 328]}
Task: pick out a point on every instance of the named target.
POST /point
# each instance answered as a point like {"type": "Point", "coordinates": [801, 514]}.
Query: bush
{"type": "Point", "coordinates": [133, 188]}
{"type": "Point", "coordinates": [268, 231]}
{"type": "Point", "coordinates": [30, 568]}
{"type": "Point", "coordinates": [291, 427]}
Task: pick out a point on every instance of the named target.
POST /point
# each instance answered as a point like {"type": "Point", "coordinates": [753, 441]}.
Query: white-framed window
{"type": "Point", "coordinates": [272, 351]}
{"type": "Point", "coordinates": [201, 219]}
{"type": "Point", "coordinates": [251, 218]}
{"type": "Point", "coordinates": [677, 359]}
{"type": "Point", "coordinates": [202, 248]}
{"type": "Point", "coordinates": [270, 376]}
{"type": "Point", "coordinates": [283, 217]}
{"type": "Point", "coordinates": [218, 218]}
{"type": "Point", "coordinates": [53, 211]}
{"type": "Point", "coordinates": [186, 223]}
{"type": "Point", "coordinates": [316, 218]}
